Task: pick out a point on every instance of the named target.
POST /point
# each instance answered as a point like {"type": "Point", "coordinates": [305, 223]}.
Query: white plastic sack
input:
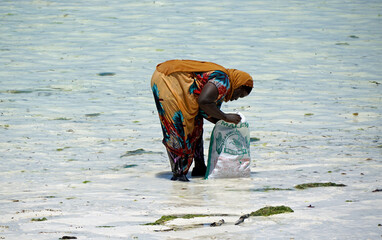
{"type": "Point", "coordinates": [229, 155]}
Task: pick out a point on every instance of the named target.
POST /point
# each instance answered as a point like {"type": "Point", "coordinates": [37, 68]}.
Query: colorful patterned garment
{"type": "Point", "coordinates": [176, 99]}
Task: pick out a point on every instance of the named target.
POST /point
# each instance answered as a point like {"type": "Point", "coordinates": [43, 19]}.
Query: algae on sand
{"type": "Point", "coordinates": [313, 185]}
{"type": "Point", "coordinates": [92, 114]}
{"type": "Point", "coordinates": [162, 220]}
{"type": "Point", "coordinates": [271, 210]}
{"type": "Point", "coordinates": [265, 211]}
{"type": "Point", "coordinates": [267, 189]}
{"type": "Point", "coordinates": [167, 218]}
{"type": "Point", "coordinates": [39, 219]}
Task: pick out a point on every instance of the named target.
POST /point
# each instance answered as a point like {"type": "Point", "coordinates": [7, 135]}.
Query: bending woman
{"type": "Point", "coordinates": [185, 92]}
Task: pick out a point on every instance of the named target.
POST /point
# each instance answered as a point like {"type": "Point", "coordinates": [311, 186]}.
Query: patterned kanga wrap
{"type": "Point", "coordinates": [176, 98]}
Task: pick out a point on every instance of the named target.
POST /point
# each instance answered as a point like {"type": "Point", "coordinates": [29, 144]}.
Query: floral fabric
{"type": "Point", "coordinates": [181, 119]}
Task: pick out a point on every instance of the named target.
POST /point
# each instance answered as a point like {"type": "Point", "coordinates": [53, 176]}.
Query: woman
{"type": "Point", "coordinates": [185, 92]}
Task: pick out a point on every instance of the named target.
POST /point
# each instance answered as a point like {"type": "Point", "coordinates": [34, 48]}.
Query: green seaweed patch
{"type": "Point", "coordinates": [84, 182]}
{"type": "Point", "coordinates": [58, 89]}
{"type": "Point", "coordinates": [189, 216]}
{"type": "Point", "coordinates": [163, 220]}
{"type": "Point", "coordinates": [62, 119]}
{"type": "Point", "coordinates": [166, 218]}
{"type": "Point", "coordinates": [92, 114]}
{"type": "Point", "coordinates": [314, 185]}
{"type": "Point", "coordinates": [39, 219]}
{"type": "Point", "coordinates": [49, 197]}
{"type": "Point", "coordinates": [266, 189]}
{"type": "Point", "coordinates": [19, 91]}
{"type": "Point", "coordinates": [342, 44]}
{"type": "Point", "coordinates": [129, 165]}
{"type": "Point", "coordinates": [271, 210]}
{"type": "Point", "coordinates": [61, 149]}
{"type": "Point", "coordinates": [308, 114]}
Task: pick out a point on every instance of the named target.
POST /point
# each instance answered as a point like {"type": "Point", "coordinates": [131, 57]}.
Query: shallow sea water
{"type": "Point", "coordinates": [75, 97]}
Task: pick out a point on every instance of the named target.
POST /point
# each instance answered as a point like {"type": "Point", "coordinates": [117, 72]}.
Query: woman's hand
{"type": "Point", "coordinates": [232, 118]}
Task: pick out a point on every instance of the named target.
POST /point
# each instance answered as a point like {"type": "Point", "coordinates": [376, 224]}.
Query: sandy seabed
{"type": "Point", "coordinates": [80, 140]}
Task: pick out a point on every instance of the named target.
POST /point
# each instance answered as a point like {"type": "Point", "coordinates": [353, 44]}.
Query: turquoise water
{"type": "Point", "coordinates": [75, 97]}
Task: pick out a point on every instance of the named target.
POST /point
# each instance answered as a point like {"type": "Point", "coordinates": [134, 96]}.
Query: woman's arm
{"type": "Point", "coordinates": [212, 120]}
{"type": "Point", "coordinates": [207, 103]}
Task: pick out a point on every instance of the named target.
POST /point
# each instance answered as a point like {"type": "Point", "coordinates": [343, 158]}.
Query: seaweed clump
{"type": "Point", "coordinates": [39, 219]}
{"type": "Point", "coordinates": [313, 185]}
{"type": "Point", "coordinates": [167, 218]}
{"type": "Point", "coordinates": [271, 210]}
{"type": "Point", "coordinates": [266, 189]}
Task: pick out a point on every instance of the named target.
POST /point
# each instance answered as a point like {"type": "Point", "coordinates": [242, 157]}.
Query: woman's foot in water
{"type": "Point", "coordinates": [179, 177]}
{"type": "Point", "coordinates": [199, 171]}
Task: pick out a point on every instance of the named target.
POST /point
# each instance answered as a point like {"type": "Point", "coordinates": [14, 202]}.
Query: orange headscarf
{"type": "Point", "coordinates": [236, 77]}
